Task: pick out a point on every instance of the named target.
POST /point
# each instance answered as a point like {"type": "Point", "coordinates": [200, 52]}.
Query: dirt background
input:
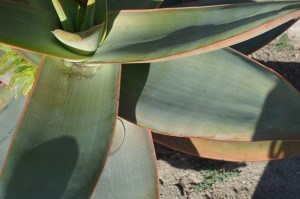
{"type": "Point", "coordinates": [186, 177]}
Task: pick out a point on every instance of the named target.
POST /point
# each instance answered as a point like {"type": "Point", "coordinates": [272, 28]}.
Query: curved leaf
{"type": "Point", "coordinates": [10, 111]}
{"type": "Point", "coordinates": [101, 16]}
{"type": "Point", "coordinates": [258, 42]}
{"type": "Point", "coordinates": [220, 95]}
{"type": "Point", "coordinates": [130, 171]}
{"type": "Point", "coordinates": [44, 4]}
{"type": "Point", "coordinates": [255, 43]}
{"type": "Point", "coordinates": [29, 28]}
{"type": "Point", "coordinates": [114, 5]}
{"type": "Point", "coordinates": [66, 11]}
{"type": "Point", "coordinates": [63, 135]}
{"type": "Point", "coordinates": [84, 43]}
{"type": "Point", "coordinates": [88, 21]}
{"type": "Point", "coordinates": [163, 34]}
{"type": "Point", "coordinates": [231, 151]}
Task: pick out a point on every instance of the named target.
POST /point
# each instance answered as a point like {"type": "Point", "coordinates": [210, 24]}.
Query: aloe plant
{"type": "Point", "coordinates": [179, 78]}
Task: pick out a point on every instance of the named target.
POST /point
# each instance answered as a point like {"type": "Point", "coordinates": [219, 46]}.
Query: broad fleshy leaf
{"type": "Point", "coordinates": [130, 171]}
{"type": "Point", "coordinates": [255, 43]}
{"type": "Point", "coordinates": [231, 151]}
{"type": "Point", "coordinates": [114, 5]}
{"type": "Point", "coordinates": [163, 34]}
{"type": "Point", "coordinates": [62, 140]}
{"type": "Point", "coordinates": [220, 95]}
{"type": "Point", "coordinates": [28, 28]}
{"type": "Point", "coordinates": [84, 43]}
{"type": "Point", "coordinates": [66, 11]}
{"type": "Point", "coordinates": [101, 11]}
{"type": "Point", "coordinates": [10, 111]}
{"type": "Point", "coordinates": [101, 16]}
{"type": "Point", "coordinates": [88, 21]}
{"type": "Point", "coordinates": [44, 4]}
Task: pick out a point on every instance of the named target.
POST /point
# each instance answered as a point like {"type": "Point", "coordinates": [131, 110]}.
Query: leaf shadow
{"type": "Point", "coordinates": [281, 178]}
{"type": "Point", "coordinates": [56, 160]}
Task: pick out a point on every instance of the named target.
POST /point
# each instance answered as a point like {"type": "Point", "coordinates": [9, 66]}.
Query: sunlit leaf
{"type": "Point", "coordinates": [220, 95]}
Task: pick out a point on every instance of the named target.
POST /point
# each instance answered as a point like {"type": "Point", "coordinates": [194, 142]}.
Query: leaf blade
{"type": "Point", "coordinates": [203, 99]}
{"type": "Point", "coordinates": [130, 39]}
{"type": "Point", "coordinates": [114, 5]}
{"type": "Point", "coordinates": [231, 151]}
{"type": "Point", "coordinates": [10, 111]}
{"type": "Point", "coordinates": [121, 178]}
{"type": "Point", "coordinates": [39, 40]}
{"type": "Point", "coordinates": [71, 122]}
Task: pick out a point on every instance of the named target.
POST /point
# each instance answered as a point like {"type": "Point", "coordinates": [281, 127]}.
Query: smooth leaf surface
{"type": "Point", "coordinates": [188, 3]}
{"type": "Point", "coordinates": [255, 43]}
{"type": "Point", "coordinates": [10, 111]}
{"type": "Point", "coordinates": [101, 16]}
{"type": "Point", "coordinates": [258, 42]}
{"type": "Point", "coordinates": [101, 11]}
{"type": "Point", "coordinates": [220, 95]}
{"type": "Point", "coordinates": [163, 34]}
{"type": "Point", "coordinates": [114, 5]}
{"type": "Point", "coordinates": [66, 11]}
{"type": "Point", "coordinates": [231, 151]}
{"type": "Point", "coordinates": [88, 21]}
{"type": "Point", "coordinates": [29, 28]}
{"type": "Point", "coordinates": [44, 5]}
{"type": "Point", "coordinates": [84, 43]}
{"type": "Point", "coordinates": [63, 135]}
{"type": "Point", "coordinates": [130, 171]}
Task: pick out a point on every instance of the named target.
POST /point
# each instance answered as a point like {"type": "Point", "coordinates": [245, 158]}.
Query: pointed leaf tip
{"type": "Point", "coordinates": [83, 43]}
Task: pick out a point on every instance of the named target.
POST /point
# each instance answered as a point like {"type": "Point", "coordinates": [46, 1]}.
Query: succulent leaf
{"type": "Point", "coordinates": [220, 95]}
{"type": "Point", "coordinates": [84, 43]}
{"type": "Point", "coordinates": [252, 44]}
{"type": "Point", "coordinates": [114, 5]}
{"type": "Point", "coordinates": [66, 11]}
{"type": "Point", "coordinates": [45, 5]}
{"type": "Point", "coordinates": [126, 180]}
{"type": "Point", "coordinates": [88, 21]}
{"type": "Point", "coordinates": [256, 43]}
{"type": "Point", "coordinates": [61, 112]}
{"type": "Point", "coordinates": [231, 151]}
{"type": "Point", "coordinates": [10, 112]}
{"type": "Point", "coordinates": [163, 34]}
{"type": "Point", "coordinates": [34, 39]}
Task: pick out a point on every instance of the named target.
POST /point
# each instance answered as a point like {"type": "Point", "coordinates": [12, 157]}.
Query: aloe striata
{"type": "Point", "coordinates": [112, 71]}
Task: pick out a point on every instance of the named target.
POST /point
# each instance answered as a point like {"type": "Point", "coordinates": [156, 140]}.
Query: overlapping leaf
{"type": "Point", "coordinates": [10, 111]}
{"type": "Point", "coordinates": [19, 24]}
{"type": "Point", "coordinates": [114, 5]}
{"type": "Point", "coordinates": [130, 172]}
{"type": "Point", "coordinates": [231, 151]}
{"type": "Point", "coordinates": [162, 34]}
{"type": "Point", "coordinates": [220, 95]}
{"type": "Point", "coordinates": [63, 135]}
{"type": "Point", "coordinates": [255, 43]}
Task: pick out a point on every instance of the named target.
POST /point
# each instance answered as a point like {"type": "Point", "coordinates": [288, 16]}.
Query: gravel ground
{"type": "Point", "coordinates": [187, 177]}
